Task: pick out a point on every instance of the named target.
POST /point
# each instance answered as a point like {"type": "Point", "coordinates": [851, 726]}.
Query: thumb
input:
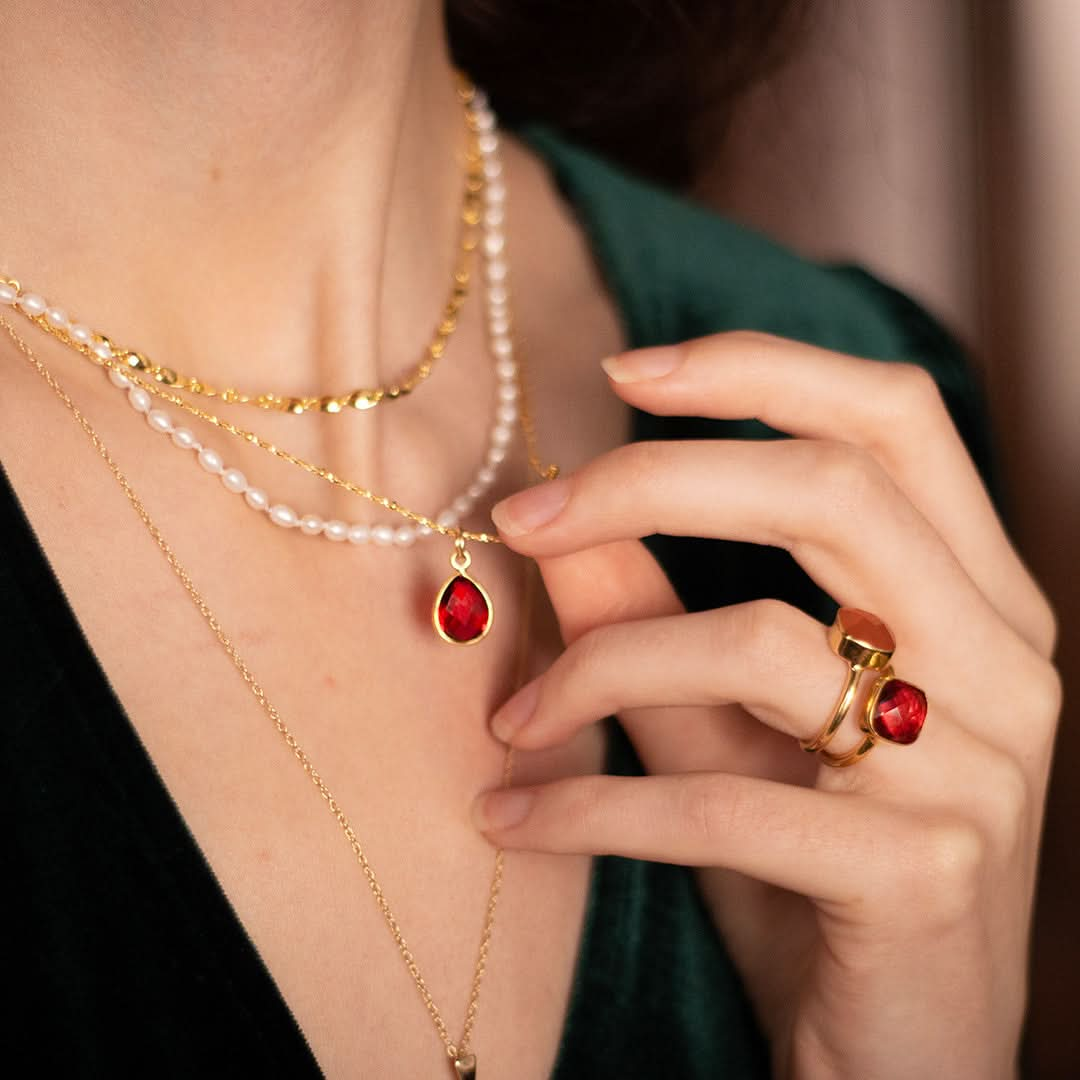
{"type": "Point", "coordinates": [621, 582]}
{"type": "Point", "coordinates": [610, 583]}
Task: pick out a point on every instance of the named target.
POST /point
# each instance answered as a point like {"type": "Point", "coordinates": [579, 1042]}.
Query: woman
{"type": "Point", "coordinates": [271, 197]}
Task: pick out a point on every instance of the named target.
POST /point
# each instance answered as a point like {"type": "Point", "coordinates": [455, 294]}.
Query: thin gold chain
{"type": "Point", "coordinates": [360, 399]}
{"type": "Point", "coordinates": [462, 1046]}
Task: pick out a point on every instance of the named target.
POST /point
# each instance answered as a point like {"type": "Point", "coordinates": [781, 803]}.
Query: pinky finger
{"type": "Point", "coordinates": [813, 842]}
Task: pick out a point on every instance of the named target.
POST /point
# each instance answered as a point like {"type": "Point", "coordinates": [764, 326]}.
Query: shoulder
{"type": "Point", "coordinates": [678, 269]}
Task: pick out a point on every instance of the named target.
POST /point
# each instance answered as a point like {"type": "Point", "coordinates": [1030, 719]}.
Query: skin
{"type": "Point", "coordinates": [879, 913]}
{"type": "Point", "coordinates": [275, 220]}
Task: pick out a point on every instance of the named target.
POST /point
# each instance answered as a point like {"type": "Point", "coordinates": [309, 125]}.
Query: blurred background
{"type": "Point", "coordinates": [938, 143]}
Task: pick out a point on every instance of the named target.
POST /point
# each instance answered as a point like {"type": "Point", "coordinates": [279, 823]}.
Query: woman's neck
{"type": "Point", "coordinates": [271, 189]}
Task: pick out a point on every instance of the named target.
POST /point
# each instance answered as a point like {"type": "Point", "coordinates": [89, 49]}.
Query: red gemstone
{"type": "Point", "coordinates": [463, 610]}
{"type": "Point", "coordinates": [900, 712]}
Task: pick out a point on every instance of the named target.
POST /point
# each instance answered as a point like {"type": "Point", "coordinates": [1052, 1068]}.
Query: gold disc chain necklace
{"type": "Point", "coordinates": [364, 398]}
{"type": "Point", "coordinates": [459, 1052]}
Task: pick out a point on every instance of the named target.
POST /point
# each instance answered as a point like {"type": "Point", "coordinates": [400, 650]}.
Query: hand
{"type": "Point", "coordinates": [879, 913]}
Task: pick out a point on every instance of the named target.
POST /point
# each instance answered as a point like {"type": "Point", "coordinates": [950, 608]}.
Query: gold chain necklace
{"type": "Point", "coordinates": [364, 398]}
{"type": "Point", "coordinates": [459, 1053]}
{"type": "Point", "coordinates": [460, 593]}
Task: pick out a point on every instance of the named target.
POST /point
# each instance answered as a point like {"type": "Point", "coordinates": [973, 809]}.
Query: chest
{"type": "Point", "coordinates": [392, 720]}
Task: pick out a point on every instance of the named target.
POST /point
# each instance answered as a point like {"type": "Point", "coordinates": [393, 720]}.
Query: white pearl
{"type": "Point", "coordinates": [494, 216]}
{"type": "Point", "coordinates": [283, 515]}
{"type": "Point", "coordinates": [488, 142]}
{"type": "Point", "coordinates": [506, 413]}
{"type": "Point", "coordinates": [496, 270]}
{"type": "Point", "coordinates": [119, 379]}
{"type": "Point", "coordinates": [479, 101]}
{"type": "Point", "coordinates": [359, 534]}
{"type": "Point", "coordinates": [160, 421]}
{"type": "Point", "coordinates": [501, 435]}
{"type": "Point", "coordinates": [32, 304]}
{"type": "Point", "coordinates": [503, 347]}
{"type": "Point", "coordinates": [140, 399]}
{"type": "Point", "coordinates": [405, 536]}
{"type": "Point", "coordinates": [498, 294]}
{"type": "Point", "coordinates": [234, 481]}
{"type": "Point", "coordinates": [507, 391]}
{"type": "Point", "coordinates": [485, 475]}
{"type": "Point", "coordinates": [55, 317]}
{"type": "Point", "coordinates": [336, 530]}
{"type": "Point", "coordinates": [474, 491]}
{"type": "Point", "coordinates": [494, 242]}
{"type": "Point", "coordinates": [424, 530]}
{"type": "Point", "coordinates": [256, 498]}
{"type": "Point", "coordinates": [81, 335]}
{"type": "Point", "coordinates": [184, 438]}
{"type": "Point", "coordinates": [102, 350]}
{"type": "Point", "coordinates": [311, 524]}
{"type": "Point", "coordinates": [462, 505]}
{"type": "Point", "coordinates": [499, 326]}
{"type": "Point", "coordinates": [211, 461]}
{"type": "Point", "coordinates": [485, 120]}
{"type": "Point", "coordinates": [495, 193]}
{"type": "Point", "coordinates": [383, 535]}
{"type": "Point", "coordinates": [496, 455]}
{"type": "Point", "coordinates": [8, 295]}
{"type": "Point", "coordinates": [447, 519]}
{"type": "Point", "coordinates": [506, 370]}
{"type": "Point", "coordinates": [492, 168]}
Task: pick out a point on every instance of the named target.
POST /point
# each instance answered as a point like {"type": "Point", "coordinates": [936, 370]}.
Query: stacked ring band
{"type": "Point", "coordinates": [895, 710]}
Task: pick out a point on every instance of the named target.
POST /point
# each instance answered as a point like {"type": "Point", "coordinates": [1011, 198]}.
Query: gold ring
{"type": "Point", "coordinates": [865, 643]}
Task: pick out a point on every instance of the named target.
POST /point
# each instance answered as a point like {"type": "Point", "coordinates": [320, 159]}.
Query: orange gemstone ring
{"type": "Point", "coordinates": [895, 710]}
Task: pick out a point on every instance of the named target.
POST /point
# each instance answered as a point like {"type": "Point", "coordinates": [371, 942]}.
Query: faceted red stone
{"type": "Point", "coordinates": [463, 612]}
{"type": "Point", "coordinates": [899, 712]}
{"type": "Point", "coordinates": [866, 628]}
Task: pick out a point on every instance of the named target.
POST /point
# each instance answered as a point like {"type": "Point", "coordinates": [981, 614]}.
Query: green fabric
{"type": "Point", "coordinates": [127, 958]}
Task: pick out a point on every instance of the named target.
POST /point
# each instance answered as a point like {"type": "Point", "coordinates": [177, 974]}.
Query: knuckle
{"type": "Point", "coordinates": [914, 390]}
{"type": "Point", "coordinates": [944, 879]}
{"type": "Point", "coordinates": [582, 808]}
{"type": "Point", "coordinates": [578, 672]}
{"type": "Point", "coordinates": [706, 811]}
{"type": "Point", "coordinates": [1047, 693]}
{"type": "Point", "coordinates": [846, 481]}
{"type": "Point", "coordinates": [641, 463]}
{"type": "Point", "coordinates": [1008, 803]}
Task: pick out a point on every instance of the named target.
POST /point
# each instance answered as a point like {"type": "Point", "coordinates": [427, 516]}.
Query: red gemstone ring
{"type": "Point", "coordinates": [894, 711]}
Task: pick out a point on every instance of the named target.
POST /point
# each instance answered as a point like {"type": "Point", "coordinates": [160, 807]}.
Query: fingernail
{"type": "Point", "coordinates": [514, 714]}
{"type": "Point", "coordinates": [501, 809]}
{"type": "Point", "coordinates": [531, 508]}
{"type": "Point", "coordinates": [642, 364]}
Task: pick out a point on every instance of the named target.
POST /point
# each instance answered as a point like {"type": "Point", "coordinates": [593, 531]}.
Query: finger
{"type": "Point", "coordinates": [893, 410]}
{"type": "Point", "coordinates": [621, 583]}
{"type": "Point", "coordinates": [831, 505]}
{"type": "Point", "coordinates": [771, 663]}
{"type": "Point", "coordinates": [765, 655]}
{"type": "Point", "coordinates": [811, 842]}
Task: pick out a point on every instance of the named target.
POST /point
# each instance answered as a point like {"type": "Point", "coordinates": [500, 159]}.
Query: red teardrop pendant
{"type": "Point", "coordinates": [462, 612]}
{"type": "Point", "coordinates": [899, 712]}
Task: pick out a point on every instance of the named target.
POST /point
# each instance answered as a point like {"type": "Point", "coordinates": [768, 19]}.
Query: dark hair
{"type": "Point", "coordinates": [631, 78]}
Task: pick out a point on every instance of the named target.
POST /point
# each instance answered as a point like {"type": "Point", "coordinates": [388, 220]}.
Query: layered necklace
{"type": "Point", "coordinates": [462, 612]}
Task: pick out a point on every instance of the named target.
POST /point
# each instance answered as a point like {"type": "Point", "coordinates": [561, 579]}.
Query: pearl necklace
{"type": "Point", "coordinates": [381, 534]}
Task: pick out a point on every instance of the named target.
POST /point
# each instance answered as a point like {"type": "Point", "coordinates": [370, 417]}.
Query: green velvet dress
{"type": "Point", "coordinates": [125, 957]}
